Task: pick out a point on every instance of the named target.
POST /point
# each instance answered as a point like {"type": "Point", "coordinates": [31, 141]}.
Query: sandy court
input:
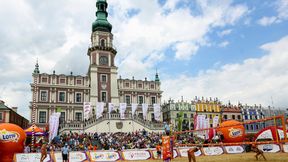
{"type": "Point", "coordinates": [245, 157]}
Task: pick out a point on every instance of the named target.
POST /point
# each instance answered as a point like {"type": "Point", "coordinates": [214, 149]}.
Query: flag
{"type": "Point", "coordinates": [157, 113]}
{"type": "Point", "coordinates": [134, 107]}
{"type": "Point", "coordinates": [86, 109]}
{"type": "Point", "coordinates": [122, 110]}
{"type": "Point", "coordinates": [145, 110]}
{"type": "Point", "coordinates": [53, 125]}
{"type": "Point", "coordinates": [99, 109]}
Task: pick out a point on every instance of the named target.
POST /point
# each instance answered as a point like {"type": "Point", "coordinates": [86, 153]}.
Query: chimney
{"type": "Point", "coordinates": [14, 109]}
{"type": "Point", "coordinates": [2, 102]}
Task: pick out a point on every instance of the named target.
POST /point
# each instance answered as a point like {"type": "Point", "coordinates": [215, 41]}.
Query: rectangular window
{"type": "Point", "coordinates": [103, 78]}
{"type": "Point", "coordinates": [192, 115]}
{"type": "Point", "coordinates": [78, 116]}
{"type": "Point", "coordinates": [44, 80]}
{"type": "Point", "coordinates": [247, 127]}
{"type": "Point", "coordinates": [62, 117]}
{"type": "Point", "coordinates": [153, 100]}
{"type": "Point", "coordinates": [78, 98]}
{"type": "Point", "coordinates": [42, 116]}
{"type": "Point", "coordinates": [210, 116]}
{"type": "Point", "coordinates": [225, 117]}
{"type": "Point", "coordinates": [62, 81]}
{"type": "Point", "coordinates": [139, 85]}
{"type": "Point", "coordinates": [1, 116]}
{"type": "Point", "coordinates": [152, 86]}
{"type": "Point", "coordinates": [185, 115]}
{"type": "Point", "coordinates": [140, 99]}
{"type": "Point", "coordinates": [43, 96]}
{"type": "Point", "coordinates": [257, 127]}
{"type": "Point", "coordinates": [61, 97]}
{"type": "Point", "coordinates": [127, 85]}
{"type": "Point", "coordinates": [128, 99]}
{"type": "Point", "coordinates": [78, 81]}
{"type": "Point", "coordinates": [238, 117]}
{"type": "Point", "coordinates": [233, 116]}
{"type": "Point", "coordinates": [251, 126]}
{"type": "Point", "coordinates": [103, 96]}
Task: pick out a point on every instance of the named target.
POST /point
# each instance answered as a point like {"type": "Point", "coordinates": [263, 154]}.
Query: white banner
{"type": "Point", "coordinates": [74, 156]}
{"type": "Point", "coordinates": [86, 109]}
{"type": "Point", "coordinates": [122, 110]}
{"type": "Point", "coordinates": [99, 109]}
{"type": "Point", "coordinates": [157, 112]}
{"type": "Point", "coordinates": [212, 150]}
{"type": "Point", "coordinates": [215, 121]}
{"type": "Point", "coordinates": [136, 155]}
{"type": "Point", "coordinates": [134, 107]}
{"type": "Point", "coordinates": [285, 148]}
{"type": "Point", "coordinates": [31, 157]}
{"type": "Point", "coordinates": [53, 125]}
{"type": "Point", "coordinates": [269, 148]}
{"type": "Point", "coordinates": [234, 149]}
{"type": "Point", "coordinates": [104, 156]}
{"type": "Point", "coordinates": [111, 107]}
{"type": "Point", "coordinates": [145, 110]}
{"type": "Point", "coordinates": [267, 134]}
{"type": "Point", "coordinates": [183, 152]}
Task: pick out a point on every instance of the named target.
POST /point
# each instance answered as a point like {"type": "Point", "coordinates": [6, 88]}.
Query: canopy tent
{"type": "Point", "coordinates": [37, 131]}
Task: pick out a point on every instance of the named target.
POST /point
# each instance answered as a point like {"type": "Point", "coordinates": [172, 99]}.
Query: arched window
{"type": "Point", "coordinates": [102, 7]}
{"type": "Point", "coordinates": [102, 42]}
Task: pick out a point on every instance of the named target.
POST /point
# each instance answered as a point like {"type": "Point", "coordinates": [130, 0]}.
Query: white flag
{"type": "Point", "coordinates": [145, 110]}
{"type": "Point", "coordinates": [99, 109]}
{"type": "Point", "coordinates": [53, 125]}
{"type": "Point", "coordinates": [111, 107]}
{"type": "Point", "coordinates": [134, 107]}
{"type": "Point", "coordinates": [86, 109]}
{"type": "Point", "coordinates": [157, 113]}
{"type": "Point", "coordinates": [122, 110]}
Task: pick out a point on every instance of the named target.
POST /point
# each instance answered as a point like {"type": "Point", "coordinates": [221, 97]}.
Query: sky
{"type": "Point", "coordinates": [235, 50]}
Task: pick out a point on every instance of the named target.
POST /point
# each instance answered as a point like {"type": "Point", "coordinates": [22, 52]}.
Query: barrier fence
{"type": "Point", "coordinates": [144, 154]}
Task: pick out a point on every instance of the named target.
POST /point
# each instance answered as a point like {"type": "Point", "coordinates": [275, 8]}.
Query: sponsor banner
{"type": "Point", "coordinates": [145, 110]}
{"type": "Point", "coordinates": [154, 154]}
{"type": "Point", "coordinates": [74, 156]}
{"type": "Point", "coordinates": [183, 152]}
{"type": "Point", "coordinates": [269, 148]}
{"type": "Point", "coordinates": [157, 112]}
{"type": "Point", "coordinates": [212, 150]}
{"type": "Point", "coordinates": [122, 107]}
{"type": "Point", "coordinates": [281, 133]}
{"type": "Point", "coordinates": [136, 155]}
{"type": "Point", "coordinates": [267, 134]}
{"type": "Point", "coordinates": [99, 109]}
{"type": "Point", "coordinates": [134, 107]}
{"type": "Point", "coordinates": [104, 156]}
{"type": "Point", "coordinates": [285, 148]}
{"type": "Point", "coordinates": [234, 149]}
{"type": "Point", "coordinates": [31, 157]}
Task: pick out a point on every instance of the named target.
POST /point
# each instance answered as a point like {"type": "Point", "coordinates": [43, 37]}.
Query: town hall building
{"type": "Point", "coordinates": [67, 93]}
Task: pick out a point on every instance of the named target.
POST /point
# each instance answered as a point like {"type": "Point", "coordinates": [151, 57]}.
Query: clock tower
{"type": "Point", "coordinates": [102, 70]}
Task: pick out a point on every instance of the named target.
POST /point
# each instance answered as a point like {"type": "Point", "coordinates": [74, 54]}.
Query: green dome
{"type": "Point", "coordinates": [101, 23]}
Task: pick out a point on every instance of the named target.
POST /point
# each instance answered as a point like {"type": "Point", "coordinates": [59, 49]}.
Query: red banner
{"type": "Point", "coordinates": [166, 148]}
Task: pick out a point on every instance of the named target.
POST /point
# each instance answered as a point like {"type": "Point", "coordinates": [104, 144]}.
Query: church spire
{"type": "Point", "coordinates": [101, 23]}
{"type": "Point", "coordinates": [36, 70]}
{"type": "Point", "coordinates": [157, 79]}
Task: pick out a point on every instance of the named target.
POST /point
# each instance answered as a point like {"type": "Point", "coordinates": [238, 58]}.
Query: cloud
{"type": "Point", "coordinates": [282, 14]}
{"type": "Point", "coordinates": [58, 34]}
{"type": "Point", "coordinates": [223, 44]}
{"type": "Point", "coordinates": [184, 50]}
{"type": "Point", "coordinates": [253, 81]}
{"type": "Point", "coordinates": [224, 32]}
{"type": "Point", "coordinates": [266, 21]}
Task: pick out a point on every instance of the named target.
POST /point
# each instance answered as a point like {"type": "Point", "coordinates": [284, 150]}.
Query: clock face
{"type": "Point", "coordinates": [103, 60]}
